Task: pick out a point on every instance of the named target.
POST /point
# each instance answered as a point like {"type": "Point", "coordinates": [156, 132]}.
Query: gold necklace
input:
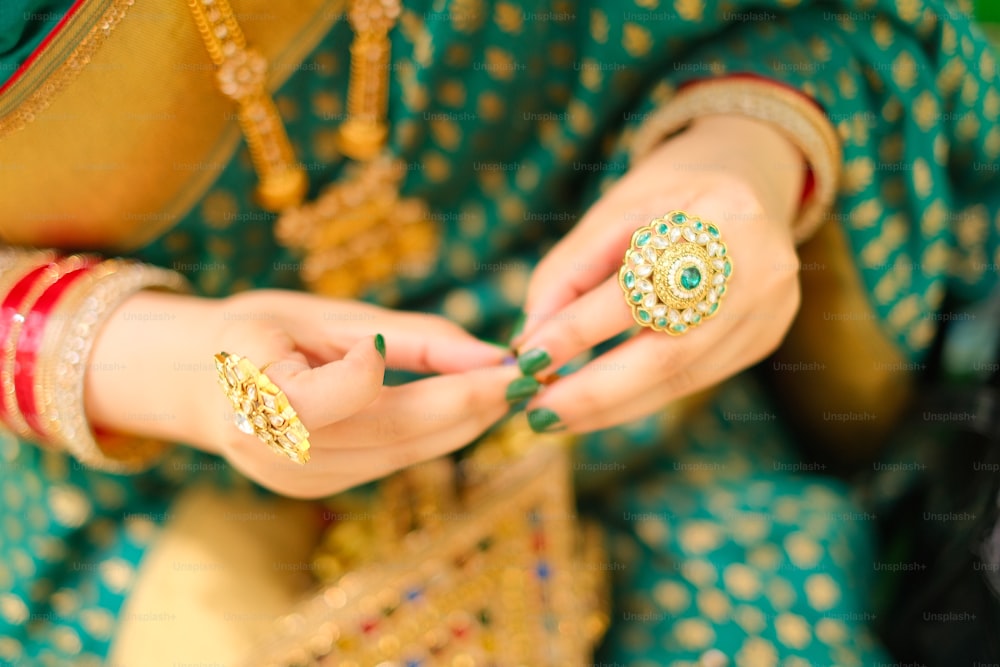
{"type": "Point", "coordinates": [358, 232]}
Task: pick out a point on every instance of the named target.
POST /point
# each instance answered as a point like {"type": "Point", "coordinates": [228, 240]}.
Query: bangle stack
{"type": "Point", "coordinates": [51, 309]}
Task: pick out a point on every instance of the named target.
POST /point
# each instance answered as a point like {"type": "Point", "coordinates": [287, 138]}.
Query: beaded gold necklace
{"type": "Point", "coordinates": [359, 231]}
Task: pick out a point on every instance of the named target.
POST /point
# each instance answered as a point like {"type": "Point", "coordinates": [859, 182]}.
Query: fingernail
{"type": "Point", "coordinates": [533, 361]}
{"type": "Point", "coordinates": [380, 344]}
{"type": "Point", "coordinates": [543, 420]}
{"type": "Point", "coordinates": [522, 388]}
{"type": "Point", "coordinates": [518, 326]}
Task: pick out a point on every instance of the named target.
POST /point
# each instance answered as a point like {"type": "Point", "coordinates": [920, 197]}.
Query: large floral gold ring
{"type": "Point", "coordinates": [675, 273]}
{"type": "Point", "coordinates": [261, 408]}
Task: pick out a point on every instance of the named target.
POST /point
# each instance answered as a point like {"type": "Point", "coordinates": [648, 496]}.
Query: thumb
{"type": "Point", "coordinates": [326, 394]}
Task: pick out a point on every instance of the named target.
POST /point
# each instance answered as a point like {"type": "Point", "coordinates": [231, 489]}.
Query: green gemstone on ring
{"type": "Point", "coordinates": [661, 228]}
{"type": "Point", "coordinates": [661, 322]}
{"type": "Point", "coordinates": [645, 316]}
{"type": "Point", "coordinates": [629, 279]}
{"type": "Point", "coordinates": [727, 268]}
{"type": "Point", "coordinates": [695, 318]}
{"type": "Point", "coordinates": [698, 226]}
{"type": "Point", "coordinates": [722, 251]}
{"type": "Point", "coordinates": [690, 278]}
{"type": "Point", "coordinates": [721, 290]}
{"type": "Point", "coordinates": [680, 218]}
{"type": "Point", "coordinates": [714, 307]}
{"type": "Point", "coordinates": [635, 297]}
{"type": "Point", "coordinates": [643, 239]}
{"type": "Point", "coordinates": [678, 328]}
{"type": "Point", "coordinates": [713, 230]}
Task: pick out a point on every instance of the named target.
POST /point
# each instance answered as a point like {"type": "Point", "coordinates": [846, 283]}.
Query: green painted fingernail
{"type": "Point", "coordinates": [533, 361]}
{"type": "Point", "coordinates": [543, 420]}
{"type": "Point", "coordinates": [380, 344]}
{"type": "Point", "coordinates": [522, 388]}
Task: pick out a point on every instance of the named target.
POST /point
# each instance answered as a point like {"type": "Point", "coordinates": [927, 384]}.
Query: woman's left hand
{"type": "Point", "coordinates": [738, 173]}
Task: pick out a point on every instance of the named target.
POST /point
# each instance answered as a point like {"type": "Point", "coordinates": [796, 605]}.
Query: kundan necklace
{"type": "Point", "coordinates": [359, 231]}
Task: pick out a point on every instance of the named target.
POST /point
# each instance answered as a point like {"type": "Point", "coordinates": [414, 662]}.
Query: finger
{"type": "Point", "coordinates": [581, 260]}
{"type": "Point", "coordinates": [330, 471]}
{"type": "Point", "coordinates": [416, 342]}
{"type": "Point", "coordinates": [430, 344]}
{"type": "Point", "coordinates": [420, 409]}
{"type": "Point", "coordinates": [593, 250]}
{"type": "Point", "coordinates": [651, 370]}
{"type": "Point", "coordinates": [639, 376]}
{"type": "Point", "coordinates": [369, 463]}
{"type": "Point", "coordinates": [327, 394]}
{"type": "Point", "coordinates": [593, 318]}
{"type": "Point", "coordinates": [625, 404]}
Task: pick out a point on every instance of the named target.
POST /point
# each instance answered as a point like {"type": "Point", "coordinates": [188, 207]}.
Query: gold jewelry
{"type": "Point", "coordinates": [487, 563]}
{"type": "Point", "coordinates": [364, 133]}
{"type": "Point", "coordinates": [358, 232]}
{"type": "Point", "coordinates": [261, 408]}
{"type": "Point", "coordinates": [789, 112]}
{"type": "Point", "coordinates": [675, 273]}
{"type": "Point", "coordinates": [242, 77]}
{"type": "Point", "coordinates": [64, 361]}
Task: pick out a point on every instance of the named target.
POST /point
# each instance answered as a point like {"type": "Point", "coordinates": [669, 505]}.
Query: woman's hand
{"type": "Point", "coordinates": [322, 354]}
{"type": "Point", "coordinates": [738, 173]}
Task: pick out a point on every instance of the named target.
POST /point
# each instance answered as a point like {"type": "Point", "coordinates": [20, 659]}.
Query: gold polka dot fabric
{"type": "Point", "coordinates": [514, 115]}
{"type": "Point", "coordinates": [726, 552]}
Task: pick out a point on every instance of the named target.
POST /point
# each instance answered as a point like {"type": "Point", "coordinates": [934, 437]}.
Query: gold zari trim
{"type": "Point", "coordinates": [124, 152]}
{"type": "Point", "coordinates": [65, 73]}
{"type": "Point", "coordinates": [495, 554]}
{"type": "Point", "coordinates": [802, 122]}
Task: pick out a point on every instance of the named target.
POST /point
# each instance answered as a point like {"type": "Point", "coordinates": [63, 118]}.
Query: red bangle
{"type": "Point", "coordinates": [11, 319]}
{"type": "Point", "coordinates": [30, 340]}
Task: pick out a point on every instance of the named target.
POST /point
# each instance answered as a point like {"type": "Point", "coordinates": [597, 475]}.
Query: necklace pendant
{"type": "Point", "coordinates": [361, 233]}
{"type": "Point", "coordinates": [277, 191]}
{"type": "Point", "coordinates": [362, 139]}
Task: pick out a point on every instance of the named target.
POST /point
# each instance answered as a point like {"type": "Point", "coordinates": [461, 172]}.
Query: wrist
{"type": "Point", "coordinates": [758, 153]}
{"type": "Point", "coordinates": [151, 372]}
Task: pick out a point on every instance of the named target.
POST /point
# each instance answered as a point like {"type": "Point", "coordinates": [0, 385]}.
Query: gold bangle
{"type": "Point", "coordinates": [802, 122]}
{"type": "Point", "coordinates": [14, 261]}
{"type": "Point", "coordinates": [64, 356]}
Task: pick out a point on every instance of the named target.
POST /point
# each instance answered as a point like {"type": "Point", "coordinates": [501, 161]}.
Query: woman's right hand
{"type": "Point", "coordinates": [152, 373]}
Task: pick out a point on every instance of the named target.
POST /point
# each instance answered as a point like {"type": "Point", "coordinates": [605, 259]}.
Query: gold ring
{"type": "Point", "coordinates": [675, 273]}
{"type": "Point", "coordinates": [261, 408]}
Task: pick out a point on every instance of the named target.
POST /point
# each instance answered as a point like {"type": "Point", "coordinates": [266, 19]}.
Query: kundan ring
{"type": "Point", "coordinates": [261, 408]}
{"type": "Point", "coordinates": [675, 273]}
